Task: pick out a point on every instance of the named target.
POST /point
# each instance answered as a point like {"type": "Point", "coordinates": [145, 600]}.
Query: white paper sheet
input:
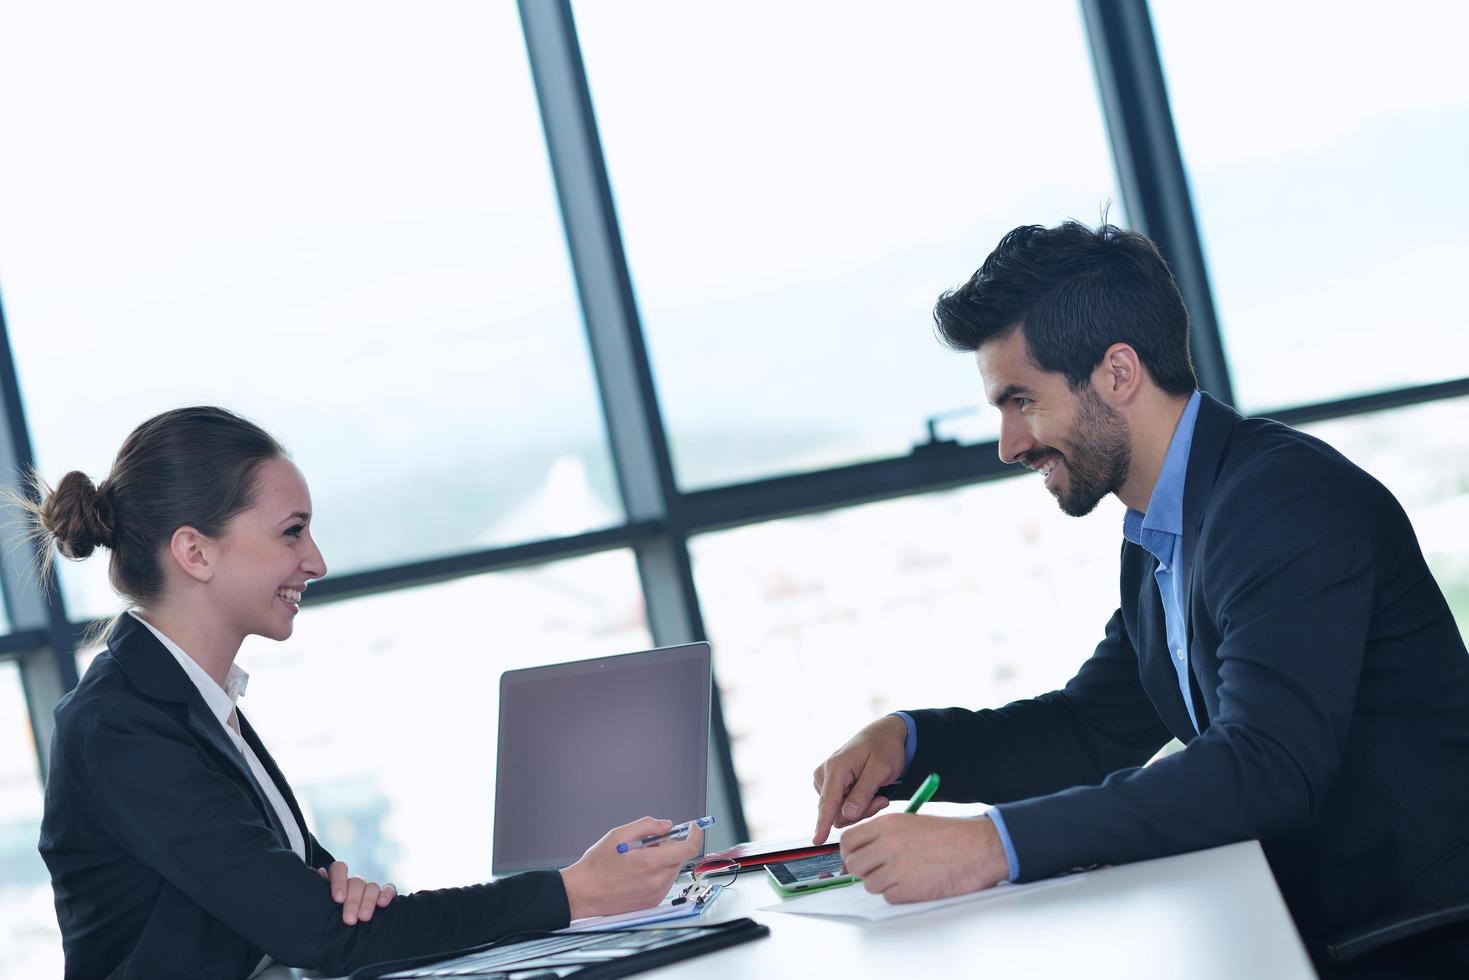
{"type": "Point", "coordinates": [643, 917]}
{"type": "Point", "coordinates": [856, 902]}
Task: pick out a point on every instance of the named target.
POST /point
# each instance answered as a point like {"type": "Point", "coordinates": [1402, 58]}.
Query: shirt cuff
{"type": "Point", "coordinates": [998, 819]}
{"type": "Point", "coordinates": [911, 745]}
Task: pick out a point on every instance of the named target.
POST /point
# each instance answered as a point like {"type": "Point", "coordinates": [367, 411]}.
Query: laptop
{"type": "Point", "coordinates": [590, 745]}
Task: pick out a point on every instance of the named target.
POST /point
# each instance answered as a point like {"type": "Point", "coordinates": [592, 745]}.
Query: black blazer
{"type": "Point", "coordinates": [1329, 679]}
{"type": "Point", "coordinates": [167, 861]}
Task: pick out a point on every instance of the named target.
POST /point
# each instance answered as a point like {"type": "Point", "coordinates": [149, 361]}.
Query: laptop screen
{"type": "Point", "coordinates": [587, 746]}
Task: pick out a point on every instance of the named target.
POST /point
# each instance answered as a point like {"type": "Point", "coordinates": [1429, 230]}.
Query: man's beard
{"type": "Point", "coordinates": [1099, 458]}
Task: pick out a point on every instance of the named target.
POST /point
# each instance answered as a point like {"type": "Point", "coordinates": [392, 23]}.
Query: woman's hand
{"type": "Point", "coordinates": [357, 897]}
{"type": "Point", "coordinates": [604, 882]}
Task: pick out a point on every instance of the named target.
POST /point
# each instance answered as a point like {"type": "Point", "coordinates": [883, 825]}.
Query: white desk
{"type": "Point", "coordinates": [1214, 913]}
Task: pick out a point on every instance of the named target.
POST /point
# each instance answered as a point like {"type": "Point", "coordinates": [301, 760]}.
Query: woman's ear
{"type": "Point", "coordinates": [194, 553]}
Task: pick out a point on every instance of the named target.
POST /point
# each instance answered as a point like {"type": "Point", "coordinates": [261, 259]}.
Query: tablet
{"type": "Point", "coordinates": [807, 873]}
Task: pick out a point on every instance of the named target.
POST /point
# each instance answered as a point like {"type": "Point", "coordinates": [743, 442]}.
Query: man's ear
{"type": "Point", "coordinates": [194, 553]}
{"type": "Point", "coordinates": [1119, 376]}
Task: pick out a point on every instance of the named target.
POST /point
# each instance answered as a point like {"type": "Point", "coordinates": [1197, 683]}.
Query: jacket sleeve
{"type": "Point", "coordinates": [200, 831]}
{"type": "Point", "coordinates": [1100, 722]}
{"type": "Point", "coordinates": [1289, 586]}
{"type": "Point", "coordinates": [320, 856]}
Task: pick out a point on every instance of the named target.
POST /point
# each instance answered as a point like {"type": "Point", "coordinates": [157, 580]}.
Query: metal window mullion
{"type": "Point", "coordinates": [1378, 401]}
{"type": "Point", "coordinates": [630, 411]}
{"type": "Point", "coordinates": [673, 613]}
{"type": "Point", "coordinates": [1150, 167]}
{"type": "Point", "coordinates": [30, 603]}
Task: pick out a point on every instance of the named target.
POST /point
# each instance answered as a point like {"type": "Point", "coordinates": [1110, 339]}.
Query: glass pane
{"type": "Point", "coordinates": [926, 601]}
{"type": "Point", "coordinates": [1419, 454]}
{"type": "Point", "coordinates": [334, 218]}
{"type": "Point", "coordinates": [382, 711]}
{"type": "Point", "coordinates": [1328, 180]}
{"type": "Point", "coordinates": [28, 931]}
{"type": "Point", "coordinates": [797, 183]}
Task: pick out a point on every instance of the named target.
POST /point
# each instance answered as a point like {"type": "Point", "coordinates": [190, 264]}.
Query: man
{"type": "Point", "coordinates": [1277, 617]}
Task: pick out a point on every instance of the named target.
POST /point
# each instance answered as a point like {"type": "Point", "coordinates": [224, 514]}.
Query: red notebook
{"type": "Point", "coordinates": [753, 854]}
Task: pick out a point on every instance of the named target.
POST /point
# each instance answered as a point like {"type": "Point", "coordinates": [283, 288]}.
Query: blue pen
{"type": "Point", "coordinates": [680, 832]}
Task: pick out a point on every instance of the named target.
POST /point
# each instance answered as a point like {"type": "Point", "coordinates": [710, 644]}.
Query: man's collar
{"type": "Point", "coordinates": [1163, 520]}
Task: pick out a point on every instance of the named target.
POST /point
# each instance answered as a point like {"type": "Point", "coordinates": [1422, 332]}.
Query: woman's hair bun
{"type": "Point", "coordinates": [78, 515]}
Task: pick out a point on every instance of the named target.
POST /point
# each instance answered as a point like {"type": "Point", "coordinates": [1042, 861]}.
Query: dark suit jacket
{"type": "Point", "coordinates": [1329, 679]}
{"type": "Point", "coordinates": [167, 861]}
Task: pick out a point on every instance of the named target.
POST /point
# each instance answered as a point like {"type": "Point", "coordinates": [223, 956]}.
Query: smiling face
{"type": "Point", "coordinates": [267, 555]}
{"type": "Point", "coordinates": [1077, 441]}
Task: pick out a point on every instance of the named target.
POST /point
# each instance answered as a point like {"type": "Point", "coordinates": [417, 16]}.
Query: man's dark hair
{"type": "Point", "coordinates": [1075, 292]}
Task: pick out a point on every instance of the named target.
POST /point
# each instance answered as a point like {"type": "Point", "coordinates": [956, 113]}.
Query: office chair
{"type": "Point", "coordinates": [1426, 940]}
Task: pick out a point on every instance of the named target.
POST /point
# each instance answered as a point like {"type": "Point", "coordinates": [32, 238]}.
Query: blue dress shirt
{"type": "Point", "coordinates": [1160, 531]}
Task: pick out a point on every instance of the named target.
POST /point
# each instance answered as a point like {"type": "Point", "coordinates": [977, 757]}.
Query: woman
{"type": "Point", "coordinates": [175, 845]}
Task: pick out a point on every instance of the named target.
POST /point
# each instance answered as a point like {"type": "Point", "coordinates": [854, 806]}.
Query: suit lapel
{"type": "Point", "coordinates": [258, 747]}
{"type": "Point", "coordinates": [1211, 434]}
{"type": "Point", "coordinates": [152, 669]}
{"type": "Point", "coordinates": [1151, 642]}
{"type": "Point", "coordinates": [206, 726]}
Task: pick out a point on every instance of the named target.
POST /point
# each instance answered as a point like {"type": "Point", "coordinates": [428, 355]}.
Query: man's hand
{"type": "Point", "coordinates": [604, 882]}
{"type": "Point", "coordinates": [357, 897]}
{"type": "Point", "coordinates": [849, 779]}
{"type": "Point", "coordinates": [908, 857]}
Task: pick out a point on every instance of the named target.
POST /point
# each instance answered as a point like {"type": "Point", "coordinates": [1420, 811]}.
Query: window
{"type": "Point", "coordinates": [974, 597]}
{"type": "Point", "coordinates": [1420, 455]}
{"type": "Point", "coordinates": [794, 197]}
{"type": "Point", "coordinates": [382, 711]}
{"type": "Point", "coordinates": [337, 220]}
{"type": "Point", "coordinates": [28, 930]}
{"type": "Point", "coordinates": [1327, 173]}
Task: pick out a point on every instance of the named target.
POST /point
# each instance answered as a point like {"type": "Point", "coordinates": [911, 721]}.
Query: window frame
{"type": "Point", "coordinates": [660, 518]}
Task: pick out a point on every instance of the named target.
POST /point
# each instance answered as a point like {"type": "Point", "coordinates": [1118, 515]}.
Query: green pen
{"type": "Point", "coordinates": [925, 793]}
